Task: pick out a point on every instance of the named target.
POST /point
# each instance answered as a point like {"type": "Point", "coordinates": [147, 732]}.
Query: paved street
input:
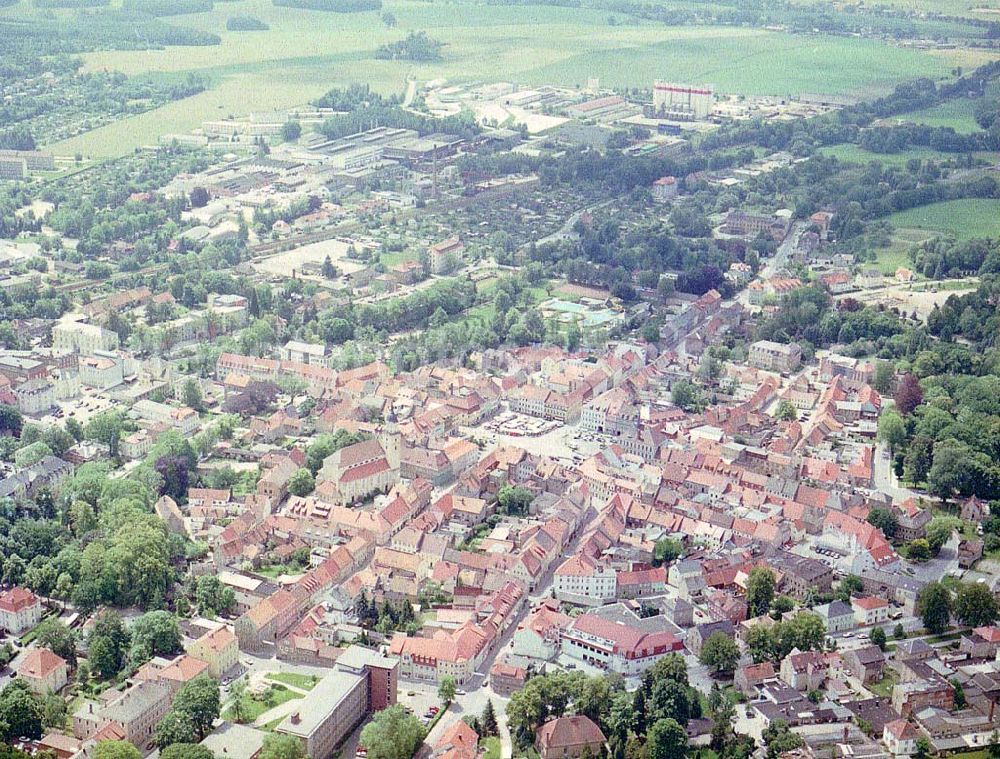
{"type": "Point", "coordinates": [885, 478]}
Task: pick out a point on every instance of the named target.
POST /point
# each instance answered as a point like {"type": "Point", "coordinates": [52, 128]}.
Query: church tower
{"type": "Point", "coordinates": [390, 439]}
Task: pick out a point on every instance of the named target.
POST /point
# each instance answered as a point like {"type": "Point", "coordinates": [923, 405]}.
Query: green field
{"type": "Point", "coordinates": [856, 154]}
{"type": "Point", "coordinates": [965, 219]}
{"type": "Point", "coordinates": [891, 258]}
{"type": "Point", "coordinates": [306, 53]}
{"type": "Point", "coordinates": [983, 9]}
{"type": "Point", "coordinates": [956, 114]}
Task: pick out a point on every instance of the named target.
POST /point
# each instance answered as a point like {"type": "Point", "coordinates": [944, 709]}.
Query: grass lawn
{"type": "Point", "coordinates": [394, 259]}
{"type": "Point", "coordinates": [305, 53]}
{"type": "Point", "coordinates": [303, 682]}
{"type": "Point", "coordinates": [884, 686]}
{"type": "Point", "coordinates": [274, 571]}
{"type": "Point", "coordinates": [891, 258]}
{"type": "Point", "coordinates": [965, 219]}
{"type": "Point", "coordinates": [254, 706]}
{"type": "Point", "coordinates": [491, 747]}
{"type": "Point", "coordinates": [952, 113]}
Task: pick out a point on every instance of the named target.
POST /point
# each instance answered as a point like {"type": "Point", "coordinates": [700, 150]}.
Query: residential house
{"type": "Point", "coordinates": [866, 663]}
{"type": "Point", "coordinates": [20, 610]}
{"type": "Point", "coordinates": [43, 671]}
{"type": "Point", "coordinates": [569, 737]}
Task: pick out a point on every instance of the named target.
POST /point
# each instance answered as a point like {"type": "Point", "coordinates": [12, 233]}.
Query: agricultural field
{"type": "Point", "coordinates": [965, 219]}
{"type": "Point", "coordinates": [956, 114]}
{"type": "Point", "coordinates": [856, 154]}
{"type": "Point", "coordinates": [305, 53]}
{"type": "Point", "coordinates": [983, 9]}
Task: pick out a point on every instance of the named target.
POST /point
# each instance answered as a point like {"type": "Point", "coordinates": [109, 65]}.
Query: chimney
{"type": "Point", "coordinates": [296, 719]}
{"type": "Point", "coordinates": [993, 706]}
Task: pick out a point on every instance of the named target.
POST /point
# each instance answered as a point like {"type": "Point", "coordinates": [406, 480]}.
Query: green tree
{"type": "Point", "coordinates": [106, 427]}
{"type": "Point", "coordinates": [954, 469]}
{"type": "Point", "coordinates": [959, 692]}
{"type": "Point", "coordinates": [667, 740]}
{"type": "Point", "coordinates": [198, 699]}
{"type": "Point", "coordinates": [393, 733]}
{"type": "Point", "coordinates": [191, 395]}
{"type": "Point", "coordinates": [885, 520]}
{"type": "Point", "coordinates": [116, 750]}
{"type": "Point", "coordinates": [919, 550]}
{"type": "Point", "coordinates": [760, 591]}
{"type": "Point", "coordinates": [593, 698]}
{"type": "Point", "coordinates": [175, 727]}
{"type": "Point", "coordinates": [186, 751]}
{"type": "Point", "coordinates": [10, 420]}
{"type": "Point", "coordinates": [720, 652]}
{"type": "Point", "coordinates": [514, 501]}
{"type": "Point", "coordinates": [892, 430]}
{"type": "Point", "coordinates": [74, 428]}
{"type": "Point", "coordinates": [877, 636]}
{"type": "Point", "coordinates": [685, 395]}
{"type": "Point", "coordinates": [924, 748]}
{"type": "Point", "coordinates": [884, 372]}
{"type": "Point", "coordinates": [108, 643]}
{"type": "Point", "coordinates": [212, 596]}
{"type": "Point", "coordinates": [666, 551]}
{"type": "Point", "coordinates": [975, 605]}
{"type": "Point", "coordinates": [54, 710]}
{"type": "Point", "coordinates": [918, 458]}
{"type": "Point", "coordinates": [57, 439]}
{"type": "Point", "coordinates": [850, 586]}
{"type": "Point", "coordinates": [282, 747]}
{"type": "Point", "coordinates": [58, 638]}
{"type": "Point", "coordinates": [778, 739]}
{"type": "Point", "coordinates": [157, 631]}
{"type": "Point", "coordinates": [291, 131]}
{"type": "Point", "coordinates": [447, 688]}
{"type": "Point", "coordinates": [20, 712]}
{"type": "Point", "coordinates": [488, 721]}
{"type": "Point", "coordinates": [939, 532]}
{"type": "Point", "coordinates": [934, 606]}
{"type": "Point", "coordinates": [786, 411]}
{"type": "Point", "coordinates": [301, 483]}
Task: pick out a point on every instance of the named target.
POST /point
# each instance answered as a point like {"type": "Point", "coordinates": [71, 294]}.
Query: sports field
{"type": "Point", "coordinates": [965, 219]}
{"type": "Point", "coordinates": [305, 53]}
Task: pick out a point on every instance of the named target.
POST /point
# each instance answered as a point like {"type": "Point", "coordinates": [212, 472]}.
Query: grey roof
{"type": "Point", "coordinates": [834, 609]}
{"type": "Point", "coordinates": [235, 741]}
{"type": "Point", "coordinates": [323, 700]}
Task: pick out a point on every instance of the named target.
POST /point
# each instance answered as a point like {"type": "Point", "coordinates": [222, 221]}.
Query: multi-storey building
{"type": "Point", "coordinates": [775, 357]}
{"type": "Point", "coordinates": [83, 338]}
{"type": "Point", "coordinates": [362, 683]}
{"type": "Point", "coordinates": [20, 610]}
{"type": "Point", "coordinates": [582, 579]}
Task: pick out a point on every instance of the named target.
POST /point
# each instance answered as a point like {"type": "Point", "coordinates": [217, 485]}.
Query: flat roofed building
{"type": "Point", "coordinates": [334, 708]}
{"type": "Point", "coordinates": [362, 683]}
{"type": "Point", "coordinates": [235, 741]}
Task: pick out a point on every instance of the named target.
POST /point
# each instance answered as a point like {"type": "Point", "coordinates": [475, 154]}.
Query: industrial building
{"type": "Point", "coordinates": [682, 101]}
